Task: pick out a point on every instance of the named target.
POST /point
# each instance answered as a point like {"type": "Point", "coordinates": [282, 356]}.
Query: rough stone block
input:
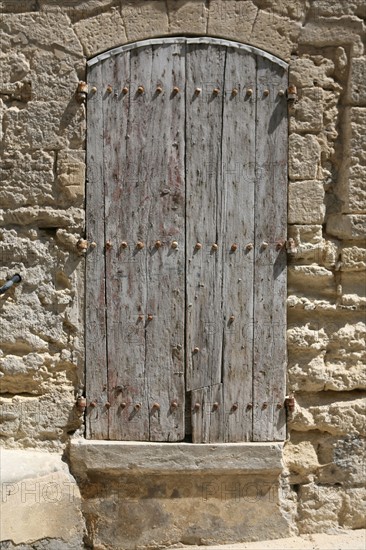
{"type": "Point", "coordinates": [93, 36]}
{"type": "Point", "coordinates": [183, 14]}
{"type": "Point", "coordinates": [301, 460]}
{"type": "Point", "coordinates": [333, 31]}
{"type": "Point", "coordinates": [302, 234]}
{"type": "Point", "coordinates": [40, 499]}
{"type": "Point", "coordinates": [71, 177]}
{"type": "Point", "coordinates": [275, 34]}
{"type": "Point", "coordinates": [347, 226]}
{"type": "Point", "coordinates": [304, 157]}
{"type": "Point", "coordinates": [44, 125]}
{"type": "Point", "coordinates": [145, 19]}
{"type": "Point", "coordinates": [338, 8]}
{"type": "Point", "coordinates": [322, 412]}
{"type": "Point", "coordinates": [232, 19]}
{"type": "Point", "coordinates": [311, 281]}
{"type": "Point", "coordinates": [305, 73]}
{"type": "Point", "coordinates": [307, 114]}
{"type": "Point", "coordinates": [306, 202]}
{"type": "Point", "coordinates": [357, 81]}
{"type": "Point", "coordinates": [353, 259]}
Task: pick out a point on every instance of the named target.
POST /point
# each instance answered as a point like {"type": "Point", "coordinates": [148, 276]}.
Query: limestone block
{"type": "Point", "coordinates": [304, 157]}
{"type": "Point", "coordinates": [356, 199]}
{"type": "Point", "coordinates": [183, 15]}
{"type": "Point", "coordinates": [275, 34]}
{"type": "Point", "coordinates": [232, 19]}
{"type": "Point", "coordinates": [27, 178]}
{"type": "Point", "coordinates": [342, 458]}
{"type": "Point", "coordinates": [353, 283]}
{"type": "Point", "coordinates": [306, 234]}
{"type": "Point", "coordinates": [358, 137]}
{"type": "Point", "coordinates": [44, 217]}
{"type": "Point", "coordinates": [144, 19]}
{"type": "Point", "coordinates": [295, 9]}
{"type": "Point", "coordinates": [353, 259]}
{"type": "Point", "coordinates": [347, 226]}
{"type": "Point", "coordinates": [338, 8]}
{"type": "Point", "coordinates": [44, 125]}
{"type": "Point", "coordinates": [357, 81]}
{"type": "Point", "coordinates": [307, 337]}
{"type": "Point", "coordinates": [311, 280]}
{"type": "Point", "coordinates": [71, 177]}
{"type": "Point", "coordinates": [306, 202]}
{"type": "Point", "coordinates": [333, 31]}
{"type": "Point", "coordinates": [301, 460]}
{"type": "Point", "coordinates": [305, 72]}
{"type": "Point", "coordinates": [41, 494]}
{"type": "Point", "coordinates": [342, 417]}
{"type": "Point", "coordinates": [101, 32]}
{"type": "Point", "coordinates": [307, 114]}
{"type": "Point", "coordinates": [46, 29]}
{"type": "Point", "coordinates": [322, 508]}
{"type": "Point", "coordinates": [13, 68]}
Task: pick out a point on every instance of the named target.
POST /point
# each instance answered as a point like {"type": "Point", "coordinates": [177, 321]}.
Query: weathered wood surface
{"type": "Point", "coordinates": [95, 314]}
{"type": "Point", "coordinates": [238, 179]}
{"type": "Point", "coordinates": [269, 366]}
{"type": "Point", "coordinates": [204, 192]}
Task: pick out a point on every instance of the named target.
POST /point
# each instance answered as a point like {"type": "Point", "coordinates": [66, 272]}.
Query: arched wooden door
{"type": "Point", "coordinates": [186, 202]}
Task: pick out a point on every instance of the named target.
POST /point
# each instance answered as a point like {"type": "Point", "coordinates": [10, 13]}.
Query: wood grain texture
{"type": "Point", "coordinates": [204, 196]}
{"type": "Point", "coordinates": [238, 181]}
{"type": "Point", "coordinates": [95, 313]}
{"type": "Point", "coordinates": [270, 263]}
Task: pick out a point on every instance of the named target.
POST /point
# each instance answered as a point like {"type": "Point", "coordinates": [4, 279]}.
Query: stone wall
{"type": "Point", "coordinates": [43, 52]}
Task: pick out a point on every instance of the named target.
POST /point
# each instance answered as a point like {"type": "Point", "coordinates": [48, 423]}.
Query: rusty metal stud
{"type": "Point", "coordinates": [124, 244]}
{"type": "Point", "coordinates": [140, 245]}
{"type": "Point", "coordinates": [280, 244]}
{"type": "Point", "coordinates": [137, 406]}
{"type": "Point", "coordinates": [140, 90]}
{"type": "Point", "coordinates": [140, 318]}
{"type": "Point", "coordinates": [264, 244]}
{"type": "Point", "coordinates": [174, 404]}
{"type": "Point", "coordinates": [109, 89]}
{"type": "Point", "coordinates": [150, 317]}
{"type": "Point", "coordinates": [81, 403]}
{"type": "Point", "coordinates": [198, 91]}
{"type": "Point", "coordinates": [234, 92]}
{"type": "Point", "coordinates": [157, 244]}
{"type": "Point", "coordinates": [292, 94]}
{"type": "Point", "coordinates": [279, 405]}
{"type": "Point", "coordinates": [216, 91]}
{"type": "Point", "coordinates": [123, 405]}
{"type": "Point", "coordinates": [196, 350]}
{"type": "Point", "coordinates": [94, 90]}
{"type": "Point", "coordinates": [249, 91]}
{"type": "Point", "coordinates": [265, 405]}
{"type": "Point", "coordinates": [290, 403]}
{"type": "Point", "coordinates": [81, 92]}
{"type": "Point", "coordinates": [198, 246]}
{"type": "Point", "coordinates": [174, 244]}
{"type": "Point", "coordinates": [215, 247]}
{"type": "Point", "coordinates": [281, 93]}
{"type": "Point", "coordinates": [175, 90]}
{"type": "Point", "coordinates": [82, 246]}
{"type": "Point", "coordinates": [215, 406]}
{"type": "Point", "coordinates": [231, 318]}
{"type": "Point", "coordinates": [107, 405]}
{"type": "Point", "coordinates": [159, 89]}
{"type": "Point", "coordinates": [156, 406]}
{"type": "Point", "coordinates": [125, 90]}
{"type": "Point", "coordinates": [266, 93]}
{"type": "Point", "coordinates": [108, 245]}
{"type": "Point", "coordinates": [93, 244]}
{"type": "Point", "coordinates": [235, 407]}
{"type": "Point", "coordinates": [249, 406]}
{"type": "Point", "coordinates": [92, 404]}
{"type": "Point", "coordinates": [197, 406]}
{"type": "Point", "coordinates": [249, 246]}
{"type": "Point", "coordinates": [234, 247]}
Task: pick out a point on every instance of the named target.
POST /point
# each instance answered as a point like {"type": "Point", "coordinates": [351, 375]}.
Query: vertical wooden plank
{"type": "Point", "coordinates": [208, 415]}
{"type": "Point", "coordinates": [205, 65]}
{"type": "Point", "coordinates": [270, 260]}
{"type": "Point", "coordinates": [238, 158]}
{"type": "Point", "coordinates": [164, 158]}
{"type": "Point", "coordinates": [95, 326]}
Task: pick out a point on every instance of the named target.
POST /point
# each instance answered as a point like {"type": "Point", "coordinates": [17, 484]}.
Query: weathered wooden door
{"type": "Point", "coordinates": [186, 202]}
